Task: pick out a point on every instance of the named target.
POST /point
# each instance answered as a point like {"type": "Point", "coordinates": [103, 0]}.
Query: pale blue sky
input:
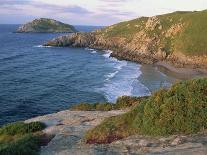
{"type": "Point", "coordinates": [91, 12]}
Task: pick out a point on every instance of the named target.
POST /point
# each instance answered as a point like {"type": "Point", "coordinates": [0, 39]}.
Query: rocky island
{"type": "Point", "coordinates": [178, 39]}
{"type": "Point", "coordinates": [44, 25]}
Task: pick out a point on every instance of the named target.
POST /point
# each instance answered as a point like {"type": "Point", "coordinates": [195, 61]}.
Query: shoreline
{"type": "Point", "coordinates": [180, 73]}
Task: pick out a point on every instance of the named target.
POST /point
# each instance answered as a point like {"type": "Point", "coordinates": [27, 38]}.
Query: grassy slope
{"type": "Point", "coordinates": [181, 109]}
{"type": "Point", "coordinates": [44, 25]}
{"type": "Point", "coordinates": [191, 41]}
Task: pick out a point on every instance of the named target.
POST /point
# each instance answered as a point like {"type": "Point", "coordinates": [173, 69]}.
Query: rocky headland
{"type": "Point", "coordinates": [45, 25]}
{"type": "Point", "coordinates": [178, 39]}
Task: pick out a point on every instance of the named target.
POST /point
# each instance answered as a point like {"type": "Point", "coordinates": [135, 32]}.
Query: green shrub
{"type": "Point", "coordinates": [128, 101]}
{"type": "Point", "coordinates": [20, 138]}
{"type": "Point", "coordinates": [26, 145]}
{"type": "Point", "coordinates": [21, 128]}
{"type": "Point", "coordinates": [180, 110]}
{"type": "Point", "coordinates": [121, 103]}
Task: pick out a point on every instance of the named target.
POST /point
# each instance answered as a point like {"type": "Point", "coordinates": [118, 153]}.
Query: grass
{"type": "Point", "coordinates": [191, 40]}
{"type": "Point", "coordinates": [20, 138]}
{"type": "Point", "coordinates": [46, 24]}
{"type": "Point", "coordinates": [121, 103]}
{"type": "Point", "coordinates": [182, 109]}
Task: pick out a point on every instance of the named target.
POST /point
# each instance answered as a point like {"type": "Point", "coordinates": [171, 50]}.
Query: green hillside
{"type": "Point", "coordinates": [182, 109]}
{"type": "Point", "coordinates": [184, 32]}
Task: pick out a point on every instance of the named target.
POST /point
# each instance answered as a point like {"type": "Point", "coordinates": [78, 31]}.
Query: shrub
{"type": "Point", "coordinates": [180, 110]}
{"type": "Point", "coordinates": [20, 138]}
{"type": "Point", "coordinates": [121, 103]}
{"type": "Point", "coordinates": [21, 128]}
{"type": "Point", "coordinates": [128, 101]}
{"type": "Point", "coordinates": [25, 145]}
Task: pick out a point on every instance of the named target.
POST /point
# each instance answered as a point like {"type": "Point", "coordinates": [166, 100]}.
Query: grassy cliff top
{"type": "Point", "coordinates": [184, 32]}
{"type": "Point", "coordinates": [182, 109]}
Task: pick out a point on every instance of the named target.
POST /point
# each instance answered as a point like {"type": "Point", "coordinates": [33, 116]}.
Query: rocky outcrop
{"type": "Point", "coordinates": [69, 128]}
{"type": "Point", "coordinates": [44, 25]}
{"type": "Point", "coordinates": [147, 40]}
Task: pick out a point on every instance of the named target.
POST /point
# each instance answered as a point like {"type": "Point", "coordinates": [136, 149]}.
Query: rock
{"type": "Point", "coordinates": [44, 25]}
{"type": "Point", "coordinates": [144, 143]}
{"type": "Point", "coordinates": [68, 137]}
{"type": "Point", "coordinates": [177, 141]}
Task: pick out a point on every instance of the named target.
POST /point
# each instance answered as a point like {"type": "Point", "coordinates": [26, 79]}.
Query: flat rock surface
{"type": "Point", "coordinates": [69, 128]}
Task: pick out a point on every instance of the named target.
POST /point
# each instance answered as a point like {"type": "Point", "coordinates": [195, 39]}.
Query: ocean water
{"type": "Point", "coordinates": [36, 80]}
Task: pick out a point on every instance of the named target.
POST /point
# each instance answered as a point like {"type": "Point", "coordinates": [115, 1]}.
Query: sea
{"type": "Point", "coordinates": [37, 80]}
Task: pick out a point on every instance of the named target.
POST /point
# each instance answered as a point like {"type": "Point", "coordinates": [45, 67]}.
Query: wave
{"type": "Point", "coordinates": [124, 81]}
{"type": "Point", "coordinates": [107, 53]}
{"type": "Point", "coordinates": [93, 51]}
{"type": "Point", "coordinates": [89, 49]}
{"type": "Point", "coordinates": [41, 46]}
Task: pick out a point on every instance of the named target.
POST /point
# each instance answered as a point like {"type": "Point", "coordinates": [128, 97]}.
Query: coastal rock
{"type": "Point", "coordinates": [69, 128]}
{"type": "Point", "coordinates": [149, 40]}
{"type": "Point", "coordinates": [44, 25]}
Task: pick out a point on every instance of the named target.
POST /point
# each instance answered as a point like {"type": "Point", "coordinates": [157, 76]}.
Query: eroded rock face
{"type": "Point", "coordinates": [148, 41]}
{"type": "Point", "coordinates": [44, 25]}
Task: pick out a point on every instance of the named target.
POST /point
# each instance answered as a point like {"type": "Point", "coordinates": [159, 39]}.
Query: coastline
{"type": "Point", "coordinates": [68, 128]}
{"type": "Point", "coordinates": [180, 73]}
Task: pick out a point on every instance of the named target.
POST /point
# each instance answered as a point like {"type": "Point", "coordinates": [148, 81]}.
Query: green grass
{"type": "Point", "coordinates": [121, 103]}
{"type": "Point", "coordinates": [45, 24]}
{"type": "Point", "coordinates": [20, 138]}
{"type": "Point", "coordinates": [191, 40]}
{"type": "Point", "coordinates": [182, 109]}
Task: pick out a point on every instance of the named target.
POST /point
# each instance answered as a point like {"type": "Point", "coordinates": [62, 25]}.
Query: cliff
{"type": "Point", "coordinates": [44, 25]}
{"type": "Point", "coordinates": [179, 38]}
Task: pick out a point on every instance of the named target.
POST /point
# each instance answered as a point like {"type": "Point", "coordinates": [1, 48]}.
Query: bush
{"type": "Point", "coordinates": [128, 101]}
{"type": "Point", "coordinates": [180, 110]}
{"type": "Point", "coordinates": [121, 103]}
{"type": "Point", "coordinates": [25, 145]}
{"type": "Point", "coordinates": [20, 138]}
{"type": "Point", "coordinates": [21, 128]}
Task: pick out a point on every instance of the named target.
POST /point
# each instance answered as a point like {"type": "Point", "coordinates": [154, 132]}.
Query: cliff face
{"type": "Point", "coordinates": [46, 25]}
{"type": "Point", "coordinates": [179, 38]}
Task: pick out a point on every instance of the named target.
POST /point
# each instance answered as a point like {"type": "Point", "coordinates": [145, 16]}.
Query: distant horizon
{"type": "Point", "coordinates": [93, 25]}
{"type": "Point", "coordinates": [93, 12]}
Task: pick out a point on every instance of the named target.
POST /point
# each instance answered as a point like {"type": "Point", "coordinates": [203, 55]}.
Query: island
{"type": "Point", "coordinates": [45, 25]}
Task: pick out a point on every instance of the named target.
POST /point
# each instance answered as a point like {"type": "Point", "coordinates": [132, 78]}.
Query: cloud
{"type": "Point", "coordinates": [90, 12]}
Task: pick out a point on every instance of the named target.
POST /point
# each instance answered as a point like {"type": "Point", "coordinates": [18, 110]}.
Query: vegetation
{"type": "Point", "coordinates": [180, 109]}
{"type": "Point", "coordinates": [191, 39]}
{"type": "Point", "coordinates": [20, 138]}
{"type": "Point", "coordinates": [121, 103]}
{"type": "Point", "coordinates": [46, 25]}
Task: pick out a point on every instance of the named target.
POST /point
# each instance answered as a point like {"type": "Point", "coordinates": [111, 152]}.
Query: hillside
{"type": "Point", "coordinates": [178, 110]}
{"type": "Point", "coordinates": [44, 25]}
{"type": "Point", "coordinates": [179, 38]}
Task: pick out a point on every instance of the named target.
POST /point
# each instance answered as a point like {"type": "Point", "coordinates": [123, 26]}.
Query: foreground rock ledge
{"type": "Point", "coordinates": [69, 128]}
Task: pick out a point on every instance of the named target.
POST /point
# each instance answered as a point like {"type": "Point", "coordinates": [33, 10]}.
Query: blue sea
{"type": "Point", "coordinates": [36, 80]}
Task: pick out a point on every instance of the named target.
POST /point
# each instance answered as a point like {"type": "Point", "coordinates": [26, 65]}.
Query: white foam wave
{"type": "Point", "coordinates": [111, 75]}
{"type": "Point", "coordinates": [107, 53]}
{"type": "Point", "coordinates": [93, 51]}
{"type": "Point", "coordinates": [41, 46]}
{"type": "Point", "coordinates": [124, 81]}
{"type": "Point", "coordinates": [89, 49]}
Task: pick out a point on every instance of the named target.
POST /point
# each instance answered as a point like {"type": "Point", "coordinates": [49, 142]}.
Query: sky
{"type": "Point", "coordinates": [91, 12]}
